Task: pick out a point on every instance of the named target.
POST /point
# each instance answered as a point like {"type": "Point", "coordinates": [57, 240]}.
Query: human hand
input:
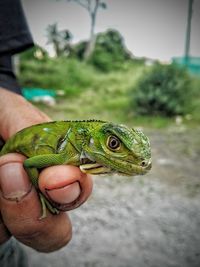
{"type": "Point", "coordinates": [19, 203]}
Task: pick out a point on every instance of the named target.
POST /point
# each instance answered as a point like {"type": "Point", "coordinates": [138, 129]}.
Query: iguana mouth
{"type": "Point", "coordinates": [92, 167]}
{"type": "Point", "coordinates": [87, 165]}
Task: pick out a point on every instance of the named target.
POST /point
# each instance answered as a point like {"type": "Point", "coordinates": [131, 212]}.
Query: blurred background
{"type": "Point", "coordinates": [137, 63]}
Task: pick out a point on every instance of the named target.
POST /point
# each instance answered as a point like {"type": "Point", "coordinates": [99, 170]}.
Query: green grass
{"type": "Point", "coordinates": [68, 75]}
{"type": "Point", "coordinates": [90, 94]}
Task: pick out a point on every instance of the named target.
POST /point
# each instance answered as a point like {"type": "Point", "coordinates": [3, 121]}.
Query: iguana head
{"type": "Point", "coordinates": [116, 148]}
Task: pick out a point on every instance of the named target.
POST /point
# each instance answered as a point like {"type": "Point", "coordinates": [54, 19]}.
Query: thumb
{"type": "Point", "coordinates": [65, 186]}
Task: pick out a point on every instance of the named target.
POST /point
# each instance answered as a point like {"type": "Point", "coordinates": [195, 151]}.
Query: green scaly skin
{"type": "Point", "coordinates": [97, 147]}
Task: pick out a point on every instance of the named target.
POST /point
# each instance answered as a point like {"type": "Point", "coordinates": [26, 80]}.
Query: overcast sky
{"type": "Point", "coordinates": [151, 28]}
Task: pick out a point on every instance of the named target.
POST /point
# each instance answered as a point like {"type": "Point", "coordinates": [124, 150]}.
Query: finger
{"type": "Point", "coordinates": [66, 186]}
{"type": "Point", "coordinates": [21, 208]}
{"type": "Point", "coordinates": [4, 232]}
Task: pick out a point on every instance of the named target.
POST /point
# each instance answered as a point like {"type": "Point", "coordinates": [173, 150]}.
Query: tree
{"type": "Point", "coordinates": [54, 37]}
{"type": "Point", "coordinates": [60, 39]}
{"type": "Point", "coordinates": [92, 7]}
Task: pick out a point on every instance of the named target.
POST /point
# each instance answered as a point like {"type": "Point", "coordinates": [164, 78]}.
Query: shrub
{"type": "Point", "coordinates": [109, 51]}
{"type": "Point", "coordinates": [162, 90]}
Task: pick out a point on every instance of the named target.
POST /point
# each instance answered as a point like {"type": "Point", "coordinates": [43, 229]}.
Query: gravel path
{"type": "Point", "coordinates": [146, 221]}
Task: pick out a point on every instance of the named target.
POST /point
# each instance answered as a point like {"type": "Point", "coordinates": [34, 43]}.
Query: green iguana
{"type": "Point", "coordinates": [97, 147]}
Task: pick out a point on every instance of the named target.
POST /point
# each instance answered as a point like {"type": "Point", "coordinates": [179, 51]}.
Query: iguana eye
{"type": "Point", "coordinates": [113, 143]}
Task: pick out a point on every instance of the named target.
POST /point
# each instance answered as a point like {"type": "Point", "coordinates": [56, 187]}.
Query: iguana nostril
{"type": "Point", "coordinates": [146, 163]}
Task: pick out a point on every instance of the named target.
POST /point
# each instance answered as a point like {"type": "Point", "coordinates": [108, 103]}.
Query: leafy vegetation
{"type": "Point", "coordinates": [109, 52]}
{"type": "Point", "coordinates": [195, 102]}
{"type": "Point", "coordinates": [70, 76]}
{"type": "Point", "coordinates": [164, 90]}
{"type": "Point", "coordinates": [90, 93]}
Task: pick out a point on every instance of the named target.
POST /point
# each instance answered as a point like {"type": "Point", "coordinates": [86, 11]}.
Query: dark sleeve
{"type": "Point", "coordinates": [14, 32]}
{"type": "Point", "coordinates": [14, 38]}
{"type": "Point", "coordinates": [8, 79]}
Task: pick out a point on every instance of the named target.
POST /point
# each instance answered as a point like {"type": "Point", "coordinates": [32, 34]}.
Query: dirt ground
{"type": "Point", "coordinates": [145, 221]}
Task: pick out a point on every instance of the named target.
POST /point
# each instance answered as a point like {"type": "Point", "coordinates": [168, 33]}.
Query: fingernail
{"type": "Point", "coordinates": [66, 194]}
{"type": "Point", "coordinates": [14, 182]}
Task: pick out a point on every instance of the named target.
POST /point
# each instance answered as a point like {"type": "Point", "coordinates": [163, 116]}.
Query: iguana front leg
{"type": "Point", "coordinates": [32, 165]}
